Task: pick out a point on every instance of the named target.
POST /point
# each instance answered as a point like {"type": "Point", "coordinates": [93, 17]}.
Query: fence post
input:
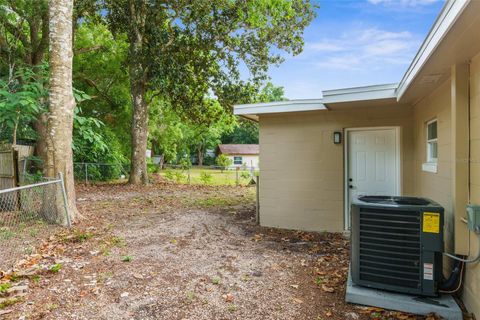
{"type": "Point", "coordinates": [257, 186]}
{"type": "Point", "coordinates": [237, 182]}
{"type": "Point", "coordinates": [188, 172]}
{"type": "Point", "coordinates": [24, 165]}
{"type": "Point", "coordinates": [65, 203]}
{"type": "Point", "coordinates": [86, 173]}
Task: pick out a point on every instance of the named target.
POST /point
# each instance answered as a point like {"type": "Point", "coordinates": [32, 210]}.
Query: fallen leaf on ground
{"type": "Point", "coordinates": [328, 289]}
{"type": "Point", "coordinates": [257, 237]}
{"type": "Point", "coordinates": [228, 297]}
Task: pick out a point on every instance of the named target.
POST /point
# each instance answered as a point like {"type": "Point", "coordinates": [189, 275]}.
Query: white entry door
{"type": "Point", "coordinates": [373, 167]}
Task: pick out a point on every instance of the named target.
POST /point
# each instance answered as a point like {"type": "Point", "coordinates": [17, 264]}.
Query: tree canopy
{"type": "Point", "coordinates": [187, 52]}
{"type": "Point", "coordinates": [161, 75]}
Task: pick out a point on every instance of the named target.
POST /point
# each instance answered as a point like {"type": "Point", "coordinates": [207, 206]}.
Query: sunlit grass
{"type": "Point", "coordinates": [218, 177]}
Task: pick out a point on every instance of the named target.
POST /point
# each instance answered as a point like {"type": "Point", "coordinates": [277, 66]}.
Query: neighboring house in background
{"type": "Point", "coordinates": [210, 153]}
{"type": "Point", "coordinates": [242, 155]}
{"type": "Point", "coordinates": [419, 137]}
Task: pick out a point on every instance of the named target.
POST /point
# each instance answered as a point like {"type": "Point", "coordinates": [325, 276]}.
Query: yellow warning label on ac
{"type": "Point", "coordinates": [431, 222]}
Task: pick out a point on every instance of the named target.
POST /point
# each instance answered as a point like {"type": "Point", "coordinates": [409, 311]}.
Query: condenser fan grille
{"type": "Point", "coordinates": [390, 248]}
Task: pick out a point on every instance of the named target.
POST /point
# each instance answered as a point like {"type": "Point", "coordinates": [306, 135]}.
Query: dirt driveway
{"type": "Point", "coordinates": [179, 252]}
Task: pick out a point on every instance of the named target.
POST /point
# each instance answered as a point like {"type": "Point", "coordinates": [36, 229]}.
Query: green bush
{"type": "Point", "coordinates": [185, 163]}
{"type": "Point", "coordinates": [245, 175]}
{"type": "Point", "coordinates": [169, 174]}
{"type": "Point", "coordinates": [152, 167]}
{"type": "Point", "coordinates": [206, 177]}
{"type": "Point", "coordinates": [223, 161]}
{"type": "Point", "coordinates": [102, 152]}
{"type": "Point", "coordinates": [179, 176]}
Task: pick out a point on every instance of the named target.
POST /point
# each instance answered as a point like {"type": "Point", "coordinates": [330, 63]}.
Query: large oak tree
{"type": "Point", "coordinates": [61, 100]}
{"type": "Point", "coordinates": [188, 50]}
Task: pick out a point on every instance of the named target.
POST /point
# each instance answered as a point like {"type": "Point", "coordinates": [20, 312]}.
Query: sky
{"type": "Point", "coordinates": [355, 43]}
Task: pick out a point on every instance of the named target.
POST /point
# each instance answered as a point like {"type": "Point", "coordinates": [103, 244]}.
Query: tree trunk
{"type": "Point", "coordinates": [40, 126]}
{"type": "Point", "coordinates": [138, 172]}
{"type": "Point", "coordinates": [200, 155]}
{"type": "Point", "coordinates": [162, 162]}
{"type": "Point", "coordinates": [138, 80]}
{"type": "Point", "coordinates": [61, 101]}
{"type": "Point", "coordinates": [15, 128]}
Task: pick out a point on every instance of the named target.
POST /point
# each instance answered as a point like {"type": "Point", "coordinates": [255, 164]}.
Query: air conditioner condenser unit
{"type": "Point", "coordinates": [397, 244]}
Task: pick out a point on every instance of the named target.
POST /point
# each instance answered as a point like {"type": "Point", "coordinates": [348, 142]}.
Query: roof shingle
{"type": "Point", "coordinates": [232, 149]}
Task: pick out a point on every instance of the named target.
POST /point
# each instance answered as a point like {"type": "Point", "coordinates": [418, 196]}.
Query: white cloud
{"type": "Point", "coordinates": [362, 49]}
{"type": "Point", "coordinates": [323, 46]}
{"type": "Point", "coordinates": [405, 3]}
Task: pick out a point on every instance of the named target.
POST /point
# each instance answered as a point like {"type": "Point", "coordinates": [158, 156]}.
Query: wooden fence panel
{"type": "Point", "coordinates": [8, 169]}
{"type": "Point", "coordinates": [23, 151]}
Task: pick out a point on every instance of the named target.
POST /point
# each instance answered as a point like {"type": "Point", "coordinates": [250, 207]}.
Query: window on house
{"type": "Point", "coordinates": [237, 160]}
{"type": "Point", "coordinates": [432, 142]}
{"type": "Point", "coordinates": [432, 147]}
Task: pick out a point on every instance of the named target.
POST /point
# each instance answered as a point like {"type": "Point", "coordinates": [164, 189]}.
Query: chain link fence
{"type": "Point", "coordinates": [93, 172]}
{"type": "Point", "coordinates": [31, 169]}
{"type": "Point", "coordinates": [211, 175]}
{"type": "Point", "coordinates": [28, 214]}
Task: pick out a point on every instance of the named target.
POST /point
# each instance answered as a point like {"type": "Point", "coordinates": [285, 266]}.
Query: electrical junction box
{"type": "Point", "coordinates": [473, 217]}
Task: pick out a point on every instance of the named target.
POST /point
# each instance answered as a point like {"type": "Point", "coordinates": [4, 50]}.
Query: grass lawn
{"type": "Point", "coordinates": [207, 176]}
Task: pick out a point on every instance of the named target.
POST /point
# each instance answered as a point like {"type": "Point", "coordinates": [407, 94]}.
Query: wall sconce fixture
{"type": "Point", "coordinates": [337, 137]}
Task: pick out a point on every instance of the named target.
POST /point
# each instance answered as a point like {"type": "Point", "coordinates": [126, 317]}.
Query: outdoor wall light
{"type": "Point", "coordinates": [337, 137]}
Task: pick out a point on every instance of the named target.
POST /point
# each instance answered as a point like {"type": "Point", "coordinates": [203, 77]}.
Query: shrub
{"type": "Point", "coordinates": [185, 163]}
{"type": "Point", "coordinates": [179, 176]}
{"type": "Point", "coordinates": [245, 175]}
{"type": "Point", "coordinates": [152, 167]}
{"type": "Point", "coordinates": [169, 174]}
{"type": "Point", "coordinates": [99, 147]}
{"type": "Point", "coordinates": [206, 177]}
{"type": "Point", "coordinates": [223, 161]}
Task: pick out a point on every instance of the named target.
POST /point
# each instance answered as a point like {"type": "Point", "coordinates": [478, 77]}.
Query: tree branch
{"type": "Point", "coordinates": [94, 85]}
{"type": "Point", "coordinates": [16, 32]}
{"type": "Point", "coordinates": [42, 46]}
{"type": "Point", "coordinates": [89, 49]}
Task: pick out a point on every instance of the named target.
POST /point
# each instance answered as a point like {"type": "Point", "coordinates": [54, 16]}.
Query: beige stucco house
{"type": "Point", "coordinates": [241, 155]}
{"type": "Point", "coordinates": [419, 137]}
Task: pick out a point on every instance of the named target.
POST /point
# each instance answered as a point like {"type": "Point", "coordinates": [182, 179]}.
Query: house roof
{"type": "Point", "coordinates": [448, 42]}
{"type": "Point", "coordinates": [251, 110]}
{"type": "Point", "coordinates": [244, 149]}
{"type": "Point", "coordinates": [452, 40]}
{"type": "Point", "coordinates": [332, 99]}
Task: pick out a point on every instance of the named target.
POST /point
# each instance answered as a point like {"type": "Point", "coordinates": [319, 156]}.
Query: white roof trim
{"type": "Point", "coordinates": [384, 91]}
{"type": "Point", "coordinates": [376, 92]}
{"type": "Point", "coordinates": [445, 20]}
{"type": "Point", "coordinates": [279, 107]}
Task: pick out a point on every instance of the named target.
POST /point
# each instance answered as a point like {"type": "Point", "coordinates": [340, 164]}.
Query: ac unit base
{"type": "Point", "coordinates": [444, 305]}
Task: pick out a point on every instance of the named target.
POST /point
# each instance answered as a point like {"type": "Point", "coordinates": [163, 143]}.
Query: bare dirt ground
{"type": "Point", "coordinates": [170, 251]}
